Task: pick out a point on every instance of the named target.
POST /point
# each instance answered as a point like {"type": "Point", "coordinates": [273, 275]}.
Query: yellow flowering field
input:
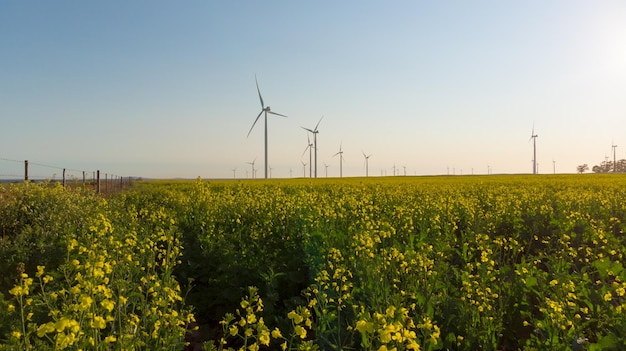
{"type": "Point", "coordinates": [399, 263]}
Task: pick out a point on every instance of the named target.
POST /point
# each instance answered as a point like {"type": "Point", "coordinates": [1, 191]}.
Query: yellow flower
{"type": "Point", "coordinates": [17, 291]}
{"type": "Point", "coordinates": [295, 317]}
{"type": "Point", "coordinates": [107, 304]}
{"type": "Point", "coordinates": [365, 327]}
{"type": "Point", "coordinates": [608, 296]}
{"type": "Point", "coordinates": [276, 333]}
{"type": "Point", "coordinates": [110, 339]}
{"type": "Point", "coordinates": [16, 334]}
{"type": "Point", "coordinates": [264, 337]}
{"type": "Point", "coordinates": [98, 322]}
{"type": "Point", "coordinates": [233, 330]}
{"type": "Point", "coordinates": [45, 329]}
{"type": "Point", "coordinates": [300, 331]}
{"type": "Point", "coordinates": [10, 308]}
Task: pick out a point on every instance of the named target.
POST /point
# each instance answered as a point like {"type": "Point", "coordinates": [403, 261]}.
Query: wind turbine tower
{"type": "Point", "coordinates": [314, 131]}
{"type": "Point", "coordinates": [367, 161]}
{"type": "Point", "coordinates": [534, 136]}
{"type": "Point", "coordinates": [266, 110]}
{"type": "Point", "coordinates": [614, 159]}
{"type": "Point", "coordinates": [340, 153]}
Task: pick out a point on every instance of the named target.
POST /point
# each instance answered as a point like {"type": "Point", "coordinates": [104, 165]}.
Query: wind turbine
{"type": "Point", "coordinates": [326, 166]}
{"type": "Point", "coordinates": [308, 147]}
{"type": "Point", "coordinates": [252, 164]}
{"type": "Point", "coordinates": [613, 146]}
{"type": "Point", "coordinates": [340, 153]}
{"type": "Point", "coordinates": [367, 161]}
{"type": "Point", "coordinates": [234, 172]}
{"type": "Point", "coordinates": [534, 136]}
{"type": "Point", "coordinates": [303, 168]}
{"type": "Point", "coordinates": [314, 131]}
{"type": "Point", "coordinates": [267, 110]}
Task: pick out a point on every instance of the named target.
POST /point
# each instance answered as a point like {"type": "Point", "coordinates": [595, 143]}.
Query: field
{"type": "Point", "coordinates": [399, 263]}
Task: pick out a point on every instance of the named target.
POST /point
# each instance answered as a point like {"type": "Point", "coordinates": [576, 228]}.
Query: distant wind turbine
{"type": "Point", "coordinates": [326, 166]}
{"type": "Point", "coordinates": [613, 146]}
{"type": "Point", "coordinates": [534, 136]}
{"type": "Point", "coordinates": [234, 172]}
{"type": "Point", "coordinates": [266, 110]}
{"type": "Point", "coordinates": [309, 147]}
{"type": "Point", "coordinates": [367, 161]}
{"type": "Point", "coordinates": [252, 164]}
{"type": "Point", "coordinates": [314, 131]}
{"type": "Point", "coordinates": [340, 153]}
{"type": "Point", "coordinates": [303, 168]}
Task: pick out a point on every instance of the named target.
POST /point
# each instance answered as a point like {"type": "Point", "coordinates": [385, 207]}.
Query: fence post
{"type": "Point", "coordinates": [64, 177]}
{"type": "Point", "coordinates": [98, 182]}
{"type": "Point", "coordinates": [25, 170]}
{"type": "Point", "coordinates": [83, 177]}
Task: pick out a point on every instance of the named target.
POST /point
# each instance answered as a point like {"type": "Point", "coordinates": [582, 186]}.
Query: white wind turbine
{"type": "Point", "coordinates": [534, 136]}
{"type": "Point", "coordinates": [267, 110]}
{"type": "Point", "coordinates": [314, 131]}
{"type": "Point", "coordinates": [340, 153]}
{"type": "Point", "coordinates": [303, 168]}
{"type": "Point", "coordinates": [367, 162]}
{"type": "Point", "coordinates": [309, 147]}
{"type": "Point", "coordinates": [252, 164]}
{"type": "Point", "coordinates": [234, 172]}
{"type": "Point", "coordinates": [613, 146]}
{"type": "Point", "coordinates": [326, 166]}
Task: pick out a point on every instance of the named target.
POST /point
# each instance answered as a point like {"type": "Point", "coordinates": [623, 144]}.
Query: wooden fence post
{"type": "Point", "coordinates": [25, 170]}
{"type": "Point", "coordinates": [64, 177]}
{"type": "Point", "coordinates": [98, 182]}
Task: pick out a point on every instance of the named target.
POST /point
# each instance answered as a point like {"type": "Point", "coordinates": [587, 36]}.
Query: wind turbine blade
{"type": "Point", "coordinates": [257, 118]}
{"type": "Point", "coordinates": [307, 129]}
{"type": "Point", "coordinates": [259, 91]}
{"type": "Point", "coordinates": [277, 114]}
{"type": "Point", "coordinates": [318, 123]}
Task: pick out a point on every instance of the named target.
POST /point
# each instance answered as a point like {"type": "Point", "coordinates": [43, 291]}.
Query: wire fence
{"type": "Point", "coordinates": [14, 171]}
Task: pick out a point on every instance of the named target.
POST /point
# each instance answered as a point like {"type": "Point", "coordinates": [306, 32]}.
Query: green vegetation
{"type": "Point", "coordinates": [461, 263]}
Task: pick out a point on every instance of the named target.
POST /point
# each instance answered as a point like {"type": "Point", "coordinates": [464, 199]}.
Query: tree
{"type": "Point", "coordinates": [582, 168]}
{"type": "Point", "coordinates": [607, 167]}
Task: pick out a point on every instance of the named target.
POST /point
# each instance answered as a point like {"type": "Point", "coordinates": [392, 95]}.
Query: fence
{"type": "Point", "coordinates": [12, 171]}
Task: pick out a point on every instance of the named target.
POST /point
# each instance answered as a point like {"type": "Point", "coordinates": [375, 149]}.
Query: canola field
{"type": "Point", "coordinates": [399, 263]}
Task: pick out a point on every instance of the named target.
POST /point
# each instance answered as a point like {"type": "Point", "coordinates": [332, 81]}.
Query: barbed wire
{"type": "Point", "coordinates": [83, 173]}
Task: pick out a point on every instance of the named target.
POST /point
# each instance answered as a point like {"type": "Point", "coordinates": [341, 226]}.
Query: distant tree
{"type": "Point", "coordinates": [607, 167]}
{"type": "Point", "coordinates": [582, 168]}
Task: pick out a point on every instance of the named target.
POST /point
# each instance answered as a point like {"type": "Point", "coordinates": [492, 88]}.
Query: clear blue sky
{"type": "Point", "coordinates": [167, 89]}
